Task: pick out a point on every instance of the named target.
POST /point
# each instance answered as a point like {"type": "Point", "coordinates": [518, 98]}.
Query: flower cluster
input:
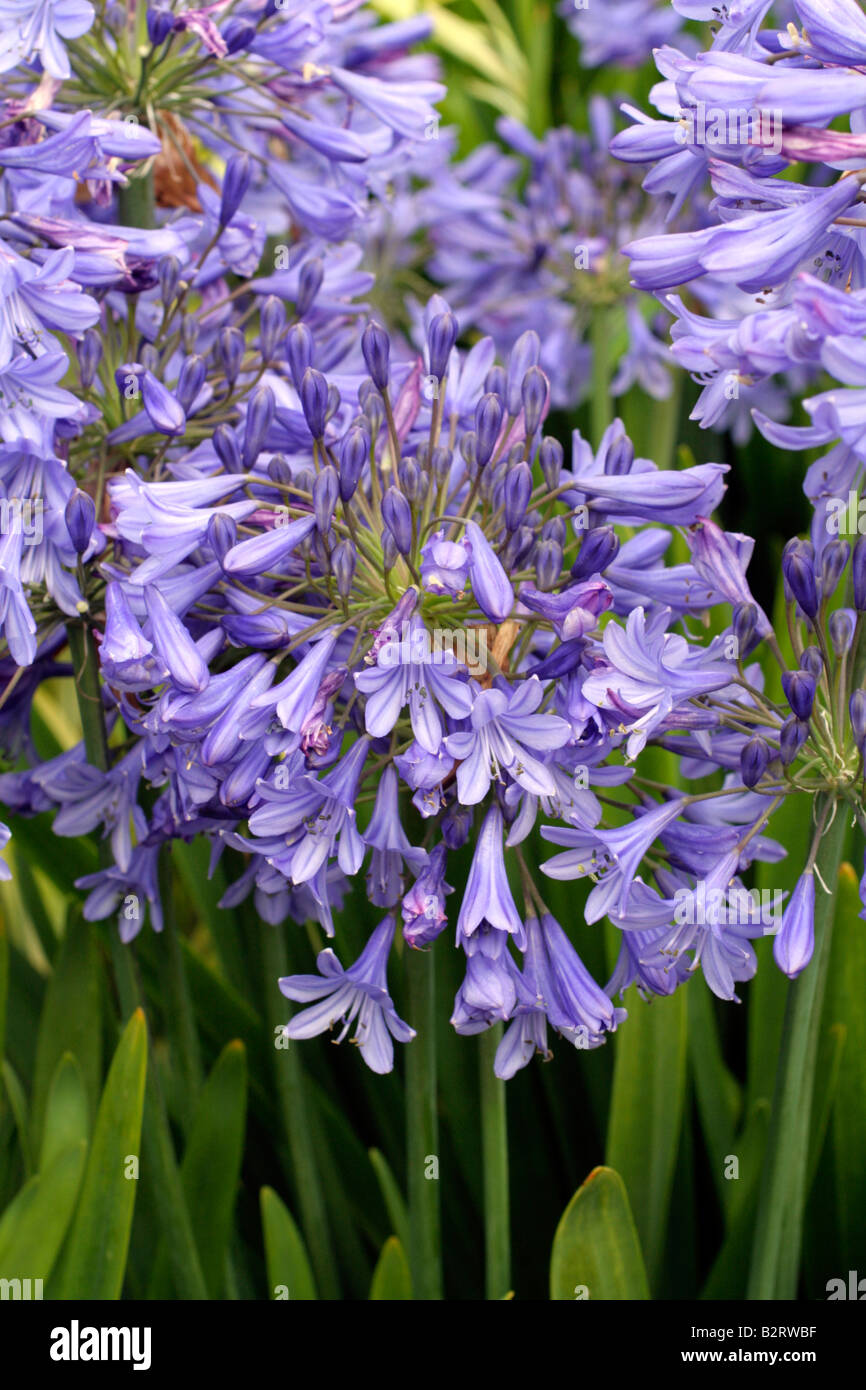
{"type": "Point", "coordinates": [779, 269]}
{"type": "Point", "coordinates": [340, 605]}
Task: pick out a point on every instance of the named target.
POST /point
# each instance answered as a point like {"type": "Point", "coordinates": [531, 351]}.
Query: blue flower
{"type": "Point", "coordinates": [360, 992]}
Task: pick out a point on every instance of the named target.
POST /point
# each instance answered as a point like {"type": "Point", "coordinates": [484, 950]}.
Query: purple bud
{"type": "Point", "coordinates": [168, 271]}
{"type": "Point", "coordinates": [238, 34]}
{"type": "Point", "coordinates": [89, 356]}
{"type": "Point", "coordinates": [799, 579]}
{"type": "Point", "coordinates": [858, 574]}
{"type": "Point", "coordinates": [236, 181]}
{"type": "Point", "coordinates": [299, 351]}
{"type": "Point", "coordinates": [354, 452]}
{"type": "Point", "coordinates": [230, 345]}
{"type": "Point", "coordinates": [397, 515]}
{"type": "Point", "coordinates": [190, 380]}
{"type": "Point", "coordinates": [795, 942]}
{"type": "Point", "coordinates": [550, 458]}
{"type": "Point", "coordinates": [149, 357]}
{"type": "Point", "coordinates": [534, 393]}
{"type": "Point", "coordinates": [390, 553]}
{"type": "Point", "coordinates": [517, 491]}
{"type": "Point", "coordinates": [410, 479]}
{"type": "Point", "coordinates": [181, 656]}
{"type": "Point", "coordinates": [524, 355]}
{"type": "Point", "coordinates": [598, 549]}
{"type": "Point", "coordinates": [496, 381]}
{"type": "Point", "coordinates": [555, 530]}
{"type": "Point", "coordinates": [792, 736]}
{"type": "Point", "coordinates": [325, 493]}
{"type": "Point", "coordinates": [469, 449]}
{"type": "Point", "coordinates": [441, 337]}
{"type": "Point", "coordinates": [309, 284]}
{"type": "Point", "coordinates": [490, 583]}
{"type": "Point", "coordinates": [488, 422]}
{"type": "Point", "coordinates": [164, 411]}
{"type": "Point", "coordinates": [548, 564]}
{"type": "Point", "coordinates": [754, 757]}
{"type": "Point", "coordinates": [279, 469]}
{"type": "Point", "coordinates": [745, 624]}
{"type": "Point", "coordinates": [440, 462]}
{"type": "Point", "coordinates": [314, 401]}
{"type": "Point", "coordinates": [80, 519]}
{"type": "Point", "coordinates": [272, 322]}
{"type": "Point", "coordinates": [857, 711]}
{"type": "Point", "coordinates": [812, 661]}
{"type": "Point", "coordinates": [799, 688]}
{"type": "Point", "coordinates": [260, 415]}
{"type": "Point", "coordinates": [159, 24]}
{"type": "Point", "coordinates": [333, 402]}
{"type": "Point", "coordinates": [376, 347]}
{"type": "Point", "coordinates": [373, 408]}
{"type": "Point", "coordinates": [221, 534]}
{"type": "Point", "coordinates": [226, 449]}
{"type": "Point", "coordinates": [834, 558]}
{"type": "Point", "coordinates": [456, 825]}
{"type": "Point", "coordinates": [841, 626]}
{"type": "Point", "coordinates": [343, 562]}
{"type": "Point", "coordinates": [620, 457]}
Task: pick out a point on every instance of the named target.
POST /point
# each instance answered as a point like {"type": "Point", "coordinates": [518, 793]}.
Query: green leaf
{"type": "Point", "coordinates": [67, 1119]}
{"type": "Point", "coordinates": [727, 1278]}
{"type": "Point", "coordinates": [596, 1251]}
{"type": "Point", "coordinates": [95, 1257]}
{"type": "Point", "coordinates": [646, 1112]}
{"type": "Point", "coordinates": [391, 1278]}
{"type": "Point", "coordinates": [4, 984]}
{"type": "Point", "coordinates": [285, 1253]}
{"type": "Point", "coordinates": [845, 1005]}
{"type": "Point", "coordinates": [211, 1169]}
{"type": "Point", "coordinates": [69, 1016]}
{"type": "Point", "coordinates": [18, 1104]}
{"type": "Point", "coordinates": [393, 1198]}
{"type": "Point", "coordinates": [719, 1098]}
{"type": "Point", "coordinates": [35, 1223]}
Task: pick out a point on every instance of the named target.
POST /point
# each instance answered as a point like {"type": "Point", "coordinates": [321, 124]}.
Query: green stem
{"type": "Point", "coordinates": [292, 1095]}
{"type": "Point", "coordinates": [494, 1145]}
{"type": "Point", "coordinates": [159, 1156]}
{"type": "Point", "coordinates": [779, 1229]}
{"type": "Point", "coordinates": [422, 1129]}
{"type": "Point", "coordinates": [180, 1016]}
{"type": "Point", "coordinates": [135, 202]}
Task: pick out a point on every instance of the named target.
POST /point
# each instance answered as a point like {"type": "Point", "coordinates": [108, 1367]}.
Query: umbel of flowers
{"type": "Point", "coordinates": [337, 602]}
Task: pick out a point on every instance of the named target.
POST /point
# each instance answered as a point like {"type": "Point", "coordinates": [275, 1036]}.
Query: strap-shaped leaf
{"type": "Point", "coordinates": [596, 1252]}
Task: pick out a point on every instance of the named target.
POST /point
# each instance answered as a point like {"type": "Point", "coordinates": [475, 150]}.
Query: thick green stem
{"type": "Point", "coordinates": [135, 202]}
{"type": "Point", "coordinates": [494, 1147]}
{"type": "Point", "coordinates": [180, 1016]}
{"type": "Point", "coordinates": [292, 1095]}
{"type": "Point", "coordinates": [422, 1129]}
{"type": "Point", "coordinates": [779, 1229]}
